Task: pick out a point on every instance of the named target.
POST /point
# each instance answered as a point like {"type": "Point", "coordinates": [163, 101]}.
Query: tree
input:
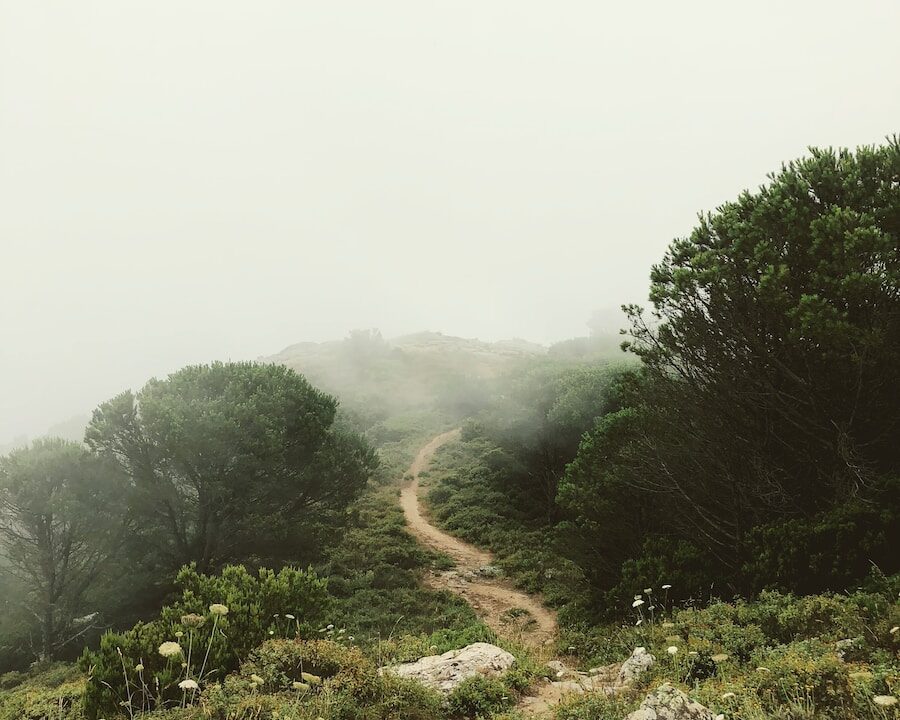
{"type": "Point", "coordinates": [60, 522]}
{"type": "Point", "coordinates": [769, 392]}
{"type": "Point", "coordinates": [780, 324]}
{"type": "Point", "coordinates": [231, 461]}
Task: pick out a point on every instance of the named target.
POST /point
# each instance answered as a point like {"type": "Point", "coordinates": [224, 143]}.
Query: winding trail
{"type": "Point", "coordinates": [495, 600]}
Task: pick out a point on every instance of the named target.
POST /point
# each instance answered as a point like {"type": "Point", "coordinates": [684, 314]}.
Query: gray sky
{"type": "Point", "coordinates": [193, 180]}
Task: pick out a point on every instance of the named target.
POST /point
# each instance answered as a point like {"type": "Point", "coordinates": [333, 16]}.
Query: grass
{"type": "Point", "coordinates": [463, 499]}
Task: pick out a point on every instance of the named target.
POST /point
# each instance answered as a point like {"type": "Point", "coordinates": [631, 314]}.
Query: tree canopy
{"type": "Point", "coordinates": [230, 461]}
{"type": "Point", "coordinates": [768, 395]}
{"type": "Point", "coordinates": [61, 518]}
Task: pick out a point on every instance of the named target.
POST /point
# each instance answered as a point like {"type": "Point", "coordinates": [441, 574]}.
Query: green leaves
{"type": "Point", "coordinates": [769, 394]}
{"type": "Point", "coordinates": [61, 517]}
{"type": "Point", "coordinates": [230, 461]}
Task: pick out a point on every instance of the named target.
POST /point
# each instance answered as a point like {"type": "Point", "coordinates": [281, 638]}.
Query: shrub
{"type": "Point", "coordinates": [128, 667]}
{"type": "Point", "coordinates": [340, 668]}
{"type": "Point", "coordinates": [809, 670]}
{"type": "Point", "coordinates": [478, 697]}
{"type": "Point", "coordinates": [12, 679]}
{"type": "Point", "coordinates": [39, 702]}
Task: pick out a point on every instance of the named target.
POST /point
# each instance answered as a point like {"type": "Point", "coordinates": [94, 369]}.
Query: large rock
{"type": "Point", "coordinates": [669, 703]}
{"type": "Point", "coordinates": [639, 662]}
{"type": "Point", "coordinates": [445, 672]}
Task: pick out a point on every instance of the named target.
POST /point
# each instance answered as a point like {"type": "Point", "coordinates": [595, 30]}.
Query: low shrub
{"type": "Point", "coordinates": [35, 701]}
{"type": "Point", "coordinates": [340, 668]}
{"type": "Point", "coordinates": [478, 697]}
{"type": "Point", "coordinates": [216, 621]}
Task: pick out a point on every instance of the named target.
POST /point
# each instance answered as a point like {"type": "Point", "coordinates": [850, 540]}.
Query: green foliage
{"type": "Point", "coordinates": [231, 462]}
{"type": "Point", "coordinates": [774, 657]}
{"type": "Point", "coordinates": [475, 492]}
{"type": "Point", "coordinates": [319, 663]}
{"type": "Point", "coordinates": [833, 548]}
{"type": "Point", "coordinates": [596, 706]}
{"type": "Point", "coordinates": [478, 697]}
{"type": "Point", "coordinates": [44, 693]}
{"type": "Point", "coordinates": [757, 435]}
{"type": "Point", "coordinates": [128, 666]}
{"type": "Point", "coordinates": [61, 519]}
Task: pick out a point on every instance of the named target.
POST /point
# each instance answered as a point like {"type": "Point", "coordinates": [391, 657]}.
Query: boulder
{"type": "Point", "coordinates": [635, 666]}
{"type": "Point", "coordinates": [669, 703]}
{"type": "Point", "coordinates": [557, 669]}
{"type": "Point", "coordinates": [445, 672]}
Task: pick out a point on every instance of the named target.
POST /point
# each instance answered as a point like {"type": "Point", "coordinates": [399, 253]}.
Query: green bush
{"type": "Point", "coordinates": [478, 697]}
{"type": "Point", "coordinates": [785, 618]}
{"type": "Point", "coordinates": [35, 700]}
{"type": "Point", "coordinates": [338, 667]}
{"type": "Point", "coordinates": [12, 679]}
{"type": "Point", "coordinates": [808, 669]}
{"type": "Point", "coordinates": [128, 667]}
{"type": "Point", "coordinates": [829, 550]}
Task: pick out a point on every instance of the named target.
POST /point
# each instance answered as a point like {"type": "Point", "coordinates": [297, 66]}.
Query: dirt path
{"type": "Point", "coordinates": [511, 613]}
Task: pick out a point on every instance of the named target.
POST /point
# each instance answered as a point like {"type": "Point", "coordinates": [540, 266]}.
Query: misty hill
{"type": "Point", "coordinates": [376, 377]}
{"type": "Point", "coordinates": [71, 429]}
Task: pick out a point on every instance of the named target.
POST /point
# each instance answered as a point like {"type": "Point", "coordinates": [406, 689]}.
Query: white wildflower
{"type": "Point", "coordinates": [672, 650]}
{"type": "Point", "coordinates": [189, 685]}
{"type": "Point", "coordinates": [170, 649]}
{"type": "Point", "coordinates": [218, 609]}
{"type": "Point", "coordinates": [884, 700]}
{"type": "Point", "coordinates": [637, 603]}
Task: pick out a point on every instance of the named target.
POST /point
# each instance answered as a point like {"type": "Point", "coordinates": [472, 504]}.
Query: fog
{"type": "Point", "coordinates": [182, 182]}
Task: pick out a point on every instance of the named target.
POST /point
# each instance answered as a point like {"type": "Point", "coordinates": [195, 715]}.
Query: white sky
{"type": "Point", "coordinates": [193, 180]}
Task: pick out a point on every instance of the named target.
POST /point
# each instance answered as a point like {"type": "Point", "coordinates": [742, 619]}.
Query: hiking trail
{"type": "Point", "coordinates": [511, 613]}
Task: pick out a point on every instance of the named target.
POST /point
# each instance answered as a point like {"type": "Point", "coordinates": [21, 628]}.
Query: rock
{"type": "Point", "coordinates": [608, 671]}
{"type": "Point", "coordinates": [489, 571]}
{"type": "Point", "coordinates": [445, 672]}
{"type": "Point", "coordinates": [557, 668]}
{"type": "Point", "coordinates": [569, 686]}
{"type": "Point", "coordinates": [669, 703]}
{"type": "Point", "coordinates": [635, 666]}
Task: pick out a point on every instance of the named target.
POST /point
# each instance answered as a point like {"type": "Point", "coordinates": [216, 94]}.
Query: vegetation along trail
{"type": "Point", "coordinates": [509, 612]}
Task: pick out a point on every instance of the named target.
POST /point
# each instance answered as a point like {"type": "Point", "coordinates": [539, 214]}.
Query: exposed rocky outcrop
{"type": "Point", "coordinates": [639, 662]}
{"type": "Point", "coordinates": [445, 672]}
{"type": "Point", "coordinates": [669, 703]}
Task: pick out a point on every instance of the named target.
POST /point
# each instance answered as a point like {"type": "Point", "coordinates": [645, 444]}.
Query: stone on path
{"type": "Point", "coordinates": [669, 703]}
{"type": "Point", "coordinates": [635, 666]}
{"type": "Point", "coordinates": [445, 672]}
